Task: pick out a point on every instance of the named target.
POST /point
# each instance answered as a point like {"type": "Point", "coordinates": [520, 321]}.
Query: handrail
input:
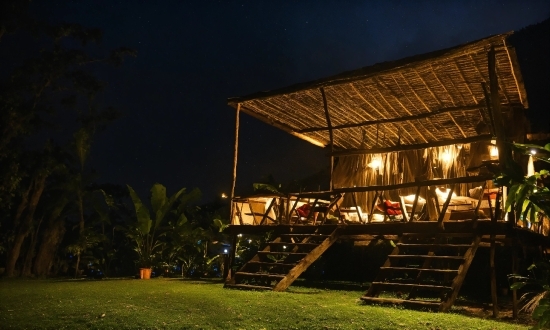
{"type": "Point", "coordinates": [434, 182]}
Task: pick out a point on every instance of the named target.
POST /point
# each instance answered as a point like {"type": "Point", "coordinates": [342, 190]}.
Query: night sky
{"type": "Point", "coordinates": [192, 56]}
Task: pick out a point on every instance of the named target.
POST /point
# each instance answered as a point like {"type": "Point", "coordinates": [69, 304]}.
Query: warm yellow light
{"type": "Point", "coordinates": [494, 152]}
{"type": "Point", "coordinates": [375, 163]}
{"type": "Point", "coordinates": [446, 156]}
{"type": "Point", "coordinates": [530, 166]}
{"type": "Point", "coordinates": [224, 195]}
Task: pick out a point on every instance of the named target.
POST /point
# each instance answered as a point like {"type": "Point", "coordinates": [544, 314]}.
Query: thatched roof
{"type": "Point", "coordinates": [418, 101]}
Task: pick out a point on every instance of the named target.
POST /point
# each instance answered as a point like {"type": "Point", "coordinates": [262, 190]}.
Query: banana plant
{"type": "Point", "coordinates": [526, 197]}
{"type": "Point", "coordinates": [146, 232]}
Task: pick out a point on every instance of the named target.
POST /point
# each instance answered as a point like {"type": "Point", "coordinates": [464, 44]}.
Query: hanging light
{"type": "Point", "coordinates": [494, 152]}
{"type": "Point", "coordinates": [375, 163]}
{"type": "Point", "coordinates": [446, 156]}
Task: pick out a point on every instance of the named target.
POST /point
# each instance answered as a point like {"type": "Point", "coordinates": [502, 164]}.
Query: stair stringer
{"type": "Point", "coordinates": [459, 278]}
{"type": "Point", "coordinates": [309, 259]}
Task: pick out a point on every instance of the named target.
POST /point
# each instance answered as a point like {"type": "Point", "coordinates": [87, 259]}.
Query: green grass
{"type": "Point", "coordinates": [177, 304]}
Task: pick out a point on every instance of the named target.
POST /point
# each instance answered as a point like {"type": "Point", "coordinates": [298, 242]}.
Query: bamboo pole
{"type": "Point", "coordinates": [494, 219]}
{"type": "Point", "coordinates": [404, 147]}
{"type": "Point", "coordinates": [504, 154]}
{"type": "Point", "coordinates": [235, 154]}
{"type": "Point", "coordinates": [232, 210]}
{"type": "Point", "coordinates": [472, 108]}
{"type": "Point", "coordinates": [331, 137]}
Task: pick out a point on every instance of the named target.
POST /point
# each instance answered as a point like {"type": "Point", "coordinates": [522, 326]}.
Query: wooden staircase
{"type": "Point", "coordinates": [282, 260]}
{"type": "Point", "coordinates": [424, 271]}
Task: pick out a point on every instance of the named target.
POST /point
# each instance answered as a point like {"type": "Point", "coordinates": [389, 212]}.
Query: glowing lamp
{"type": "Point", "coordinates": [375, 163]}
{"type": "Point", "coordinates": [446, 157]}
{"type": "Point", "coordinates": [530, 166]}
{"type": "Point", "coordinates": [494, 152]}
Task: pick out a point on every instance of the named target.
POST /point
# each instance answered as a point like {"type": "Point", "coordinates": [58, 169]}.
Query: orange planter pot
{"type": "Point", "coordinates": [145, 273]}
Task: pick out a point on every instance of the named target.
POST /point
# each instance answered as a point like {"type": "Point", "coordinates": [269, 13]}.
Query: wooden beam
{"type": "Point", "coordinates": [512, 57]}
{"type": "Point", "coordinates": [395, 120]}
{"type": "Point", "coordinates": [504, 151]}
{"type": "Point", "coordinates": [306, 262]}
{"type": "Point", "coordinates": [235, 154]}
{"type": "Point", "coordinates": [438, 182]}
{"type": "Point", "coordinates": [462, 271]}
{"type": "Point", "coordinates": [441, 143]}
{"type": "Point", "coordinates": [229, 274]}
{"type": "Point", "coordinates": [331, 137]}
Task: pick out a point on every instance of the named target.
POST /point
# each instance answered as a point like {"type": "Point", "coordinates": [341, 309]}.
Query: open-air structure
{"type": "Point", "coordinates": [409, 143]}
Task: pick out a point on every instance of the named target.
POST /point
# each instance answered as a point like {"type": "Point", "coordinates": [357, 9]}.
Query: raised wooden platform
{"type": "Point", "coordinates": [504, 231]}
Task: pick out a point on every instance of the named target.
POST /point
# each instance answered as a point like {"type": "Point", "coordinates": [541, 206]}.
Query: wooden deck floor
{"type": "Point", "coordinates": [503, 230]}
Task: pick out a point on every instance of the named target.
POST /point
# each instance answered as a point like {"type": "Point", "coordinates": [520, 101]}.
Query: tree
{"type": "Point", "coordinates": [56, 79]}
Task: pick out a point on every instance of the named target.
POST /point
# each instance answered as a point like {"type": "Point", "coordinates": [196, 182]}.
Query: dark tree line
{"type": "Point", "coordinates": [55, 219]}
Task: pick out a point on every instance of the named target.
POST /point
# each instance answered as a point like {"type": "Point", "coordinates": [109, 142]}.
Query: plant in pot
{"type": "Point", "coordinates": [146, 232]}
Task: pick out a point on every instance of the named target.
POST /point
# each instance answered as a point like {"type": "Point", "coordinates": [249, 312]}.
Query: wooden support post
{"type": "Point", "coordinates": [514, 271]}
{"type": "Point", "coordinates": [493, 277]}
{"type": "Point", "coordinates": [235, 153]}
{"type": "Point", "coordinates": [492, 257]}
{"type": "Point", "coordinates": [331, 137]}
{"type": "Point", "coordinates": [229, 276]}
{"type": "Point", "coordinates": [504, 149]}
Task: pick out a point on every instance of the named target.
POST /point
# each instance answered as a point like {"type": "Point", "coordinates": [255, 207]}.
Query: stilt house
{"type": "Point", "coordinates": [408, 142]}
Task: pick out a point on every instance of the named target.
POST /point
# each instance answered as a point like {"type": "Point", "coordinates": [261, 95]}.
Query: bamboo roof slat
{"type": "Point", "coordinates": [406, 99]}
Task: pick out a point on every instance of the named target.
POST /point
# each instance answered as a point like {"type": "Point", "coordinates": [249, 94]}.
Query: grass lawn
{"type": "Point", "coordinates": [180, 304]}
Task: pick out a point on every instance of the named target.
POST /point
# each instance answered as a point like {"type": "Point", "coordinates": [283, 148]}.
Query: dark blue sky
{"type": "Point", "coordinates": [192, 56]}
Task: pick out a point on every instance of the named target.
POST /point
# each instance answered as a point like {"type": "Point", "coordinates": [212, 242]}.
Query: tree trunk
{"type": "Point", "coordinates": [27, 264]}
{"type": "Point", "coordinates": [48, 246]}
{"type": "Point", "coordinates": [77, 264]}
{"type": "Point", "coordinates": [14, 252]}
{"type": "Point", "coordinates": [26, 224]}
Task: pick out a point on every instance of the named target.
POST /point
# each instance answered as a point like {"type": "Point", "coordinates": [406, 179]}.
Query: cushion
{"type": "Point", "coordinates": [389, 207]}
{"type": "Point", "coordinates": [303, 210]}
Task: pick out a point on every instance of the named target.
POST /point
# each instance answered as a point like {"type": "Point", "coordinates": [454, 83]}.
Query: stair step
{"type": "Point", "coordinates": [262, 263]}
{"type": "Point", "coordinates": [283, 253]}
{"type": "Point", "coordinates": [433, 305]}
{"type": "Point", "coordinates": [264, 275]}
{"type": "Point", "coordinates": [427, 270]}
{"type": "Point", "coordinates": [423, 256]}
{"type": "Point", "coordinates": [428, 245]}
{"type": "Point", "coordinates": [248, 287]}
{"type": "Point", "coordinates": [412, 285]}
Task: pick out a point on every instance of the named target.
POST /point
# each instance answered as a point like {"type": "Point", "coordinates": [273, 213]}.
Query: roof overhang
{"type": "Point", "coordinates": [431, 99]}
